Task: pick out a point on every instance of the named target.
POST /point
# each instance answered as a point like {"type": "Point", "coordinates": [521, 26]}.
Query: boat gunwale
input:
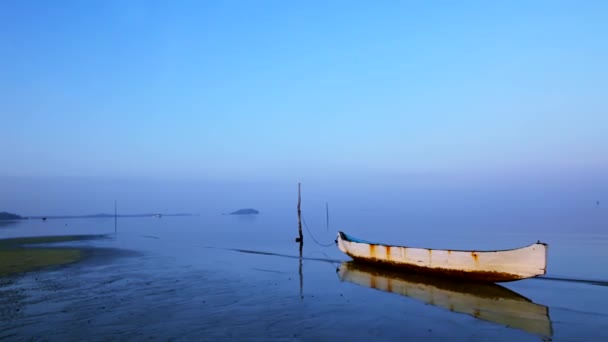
{"type": "Point", "coordinates": [344, 236]}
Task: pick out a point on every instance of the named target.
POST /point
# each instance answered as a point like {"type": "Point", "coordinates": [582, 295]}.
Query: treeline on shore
{"type": "Point", "coordinates": [10, 216]}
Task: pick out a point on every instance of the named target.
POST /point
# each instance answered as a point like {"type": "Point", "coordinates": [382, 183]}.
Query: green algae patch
{"type": "Point", "coordinates": [15, 261]}
{"type": "Point", "coordinates": [34, 240]}
{"type": "Point", "coordinates": [16, 257]}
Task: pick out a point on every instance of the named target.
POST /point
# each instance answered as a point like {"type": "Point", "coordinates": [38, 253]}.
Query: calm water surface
{"type": "Point", "coordinates": [203, 278]}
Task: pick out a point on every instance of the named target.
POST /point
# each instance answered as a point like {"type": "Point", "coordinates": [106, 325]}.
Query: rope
{"type": "Point", "coordinates": [313, 237]}
{"type": "Point", "coordinates": [335, 264]}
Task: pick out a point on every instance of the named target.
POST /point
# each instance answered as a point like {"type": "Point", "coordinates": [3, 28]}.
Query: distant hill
{"type": "Point", "coordinates": [5, 216]}
{"type": "Point", "coordinates": [247, 211]}
{"type": "Point", "coordinates": [9, 216]}
{"type": "Point", "coordinates": [104, 215]}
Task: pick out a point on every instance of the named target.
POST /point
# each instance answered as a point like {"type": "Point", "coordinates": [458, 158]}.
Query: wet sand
{"type": "Point", "coordinates": [103, 301]}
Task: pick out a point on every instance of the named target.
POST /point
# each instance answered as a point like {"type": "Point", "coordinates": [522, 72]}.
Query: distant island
{"type": "Point", "coordinates": [247, 211]}
{"type": "Point", "coordinates": [10, 216]}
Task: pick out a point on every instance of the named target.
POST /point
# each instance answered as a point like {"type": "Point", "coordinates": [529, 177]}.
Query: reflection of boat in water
{"type": "Point", "coordinates": [488, 302]}
{"type": "Point", "coordinates": [482, 266]}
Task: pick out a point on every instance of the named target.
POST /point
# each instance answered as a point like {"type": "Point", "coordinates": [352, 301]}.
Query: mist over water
{"type": "Point", "coordinates": [511, 207]}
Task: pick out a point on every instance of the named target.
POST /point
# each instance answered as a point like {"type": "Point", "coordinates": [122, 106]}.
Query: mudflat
{"type": "Point", "coordinates": [20, 255]}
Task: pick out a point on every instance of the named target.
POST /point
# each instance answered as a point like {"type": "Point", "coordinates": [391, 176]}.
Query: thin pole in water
{"type": "Point", "coordinates": [301, 276]}
{"type": "Point", "coordinates": [327, 215]}
{"type": "Point", "coordinates": [300, 239]}
{"type": "Point", "coordinates": [115, 218]}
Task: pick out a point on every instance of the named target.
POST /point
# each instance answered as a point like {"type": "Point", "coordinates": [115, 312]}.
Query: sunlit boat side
{"type": "Point", "coordinates": [481, 266]}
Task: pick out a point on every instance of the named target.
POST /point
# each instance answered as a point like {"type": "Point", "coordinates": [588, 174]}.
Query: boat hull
{"type": "Point", "coordinates": [479, 266]}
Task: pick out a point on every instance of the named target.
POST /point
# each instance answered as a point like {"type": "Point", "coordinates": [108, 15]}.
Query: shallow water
{"type": "Point", "coordinates": [203, 278]}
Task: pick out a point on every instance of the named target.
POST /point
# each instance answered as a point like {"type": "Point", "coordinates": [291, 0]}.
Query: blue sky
{"type": "Point", "coordinates": [289, 90]}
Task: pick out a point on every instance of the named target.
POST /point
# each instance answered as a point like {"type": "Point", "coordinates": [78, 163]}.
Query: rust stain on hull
{"type": "Point", "coordinates": [372, 250]}
{"type": "Point", "coordinates": [476, 313]}
{"type": "Point", "coordinates": [388, 251]}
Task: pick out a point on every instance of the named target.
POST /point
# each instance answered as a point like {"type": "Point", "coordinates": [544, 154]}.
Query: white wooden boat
{"type": "Point", "coordinates": [487, 302]}
{"type": "Point", "coordinates": [482, 266]}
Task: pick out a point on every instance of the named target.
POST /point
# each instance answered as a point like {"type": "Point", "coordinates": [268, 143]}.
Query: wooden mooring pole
{"type": "Point", "coordinates": [300, 237]}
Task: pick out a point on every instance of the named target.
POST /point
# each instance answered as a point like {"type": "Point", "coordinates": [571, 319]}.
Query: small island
{"type": "Point", "coordinates": [247, 211]}
{"type": "Point", "coordinates": [9, 216]}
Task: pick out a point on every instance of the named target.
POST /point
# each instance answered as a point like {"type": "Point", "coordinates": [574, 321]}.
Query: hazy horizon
{"type": "Point", "coordinates": [514, 207]}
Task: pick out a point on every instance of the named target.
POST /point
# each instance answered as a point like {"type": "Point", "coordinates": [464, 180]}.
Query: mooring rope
{"type": "Point", "coordinates": [313, 237]}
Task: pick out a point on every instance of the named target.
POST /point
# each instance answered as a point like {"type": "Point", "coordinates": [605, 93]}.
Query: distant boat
{"type": "Point", "coordinates": [479, 266]}
{"type": "Point", "coordinates": [488, 302]}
